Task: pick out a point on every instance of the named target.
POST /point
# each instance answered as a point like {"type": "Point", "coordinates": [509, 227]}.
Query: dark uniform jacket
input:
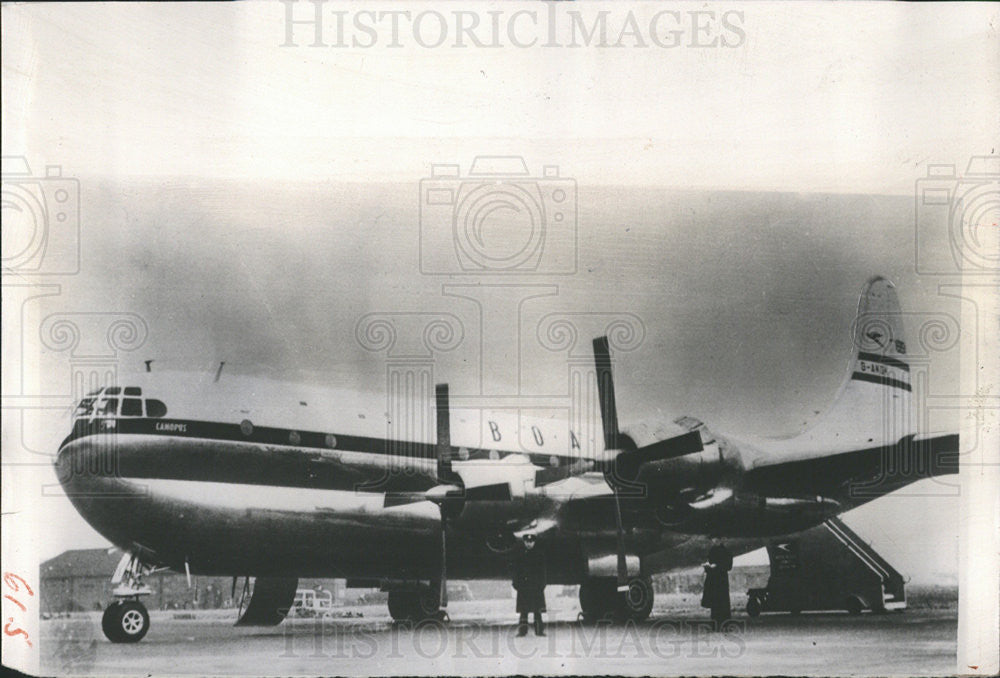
{"type": "Point", "coordinates": [716, 593]}
{"type": "Point", "coordinates": [529, 580]}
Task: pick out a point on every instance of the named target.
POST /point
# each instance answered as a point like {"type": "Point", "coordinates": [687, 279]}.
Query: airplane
{"type": "Point", "coordinates": [227, 477]}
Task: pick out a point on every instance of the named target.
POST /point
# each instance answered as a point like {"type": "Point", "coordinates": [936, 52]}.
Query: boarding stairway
{"type": "Point", "coordinates": [893, 584]}
{"type": "Point", "coordinates": [829, 567]}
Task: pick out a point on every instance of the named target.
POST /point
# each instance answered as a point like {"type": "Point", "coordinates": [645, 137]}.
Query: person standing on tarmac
{"type": "Point", "coordinates": [716, 592]}
{"type": "Point", "coordinates": [529, 581]}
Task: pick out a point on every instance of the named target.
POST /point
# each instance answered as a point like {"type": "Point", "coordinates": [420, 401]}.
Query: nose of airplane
{"type": "Point", "coordinates": [89, 470]}
{"type": "Point", "coordinates": [88, 466]}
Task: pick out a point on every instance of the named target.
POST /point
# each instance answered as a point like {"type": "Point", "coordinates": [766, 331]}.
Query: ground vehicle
{"type": "Point", "coordinates": [312, 603]}
{"type": "Point", "coordinates": [828, 568]}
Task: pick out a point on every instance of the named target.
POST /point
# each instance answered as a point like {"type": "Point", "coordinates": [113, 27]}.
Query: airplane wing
{"type": "Point", "coordinates": [871, 472]}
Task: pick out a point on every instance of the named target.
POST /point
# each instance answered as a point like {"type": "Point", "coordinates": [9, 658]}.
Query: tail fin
{"type": "Point", "coordinates": [873, 406]}
{"type": "Point", "coordinates": [880, 347]}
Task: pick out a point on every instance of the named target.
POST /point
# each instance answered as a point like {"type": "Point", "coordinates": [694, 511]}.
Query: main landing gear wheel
{"type": "Point", "coordinates": [637, 602]}
{"type": "Point", "coordinates": [414, 606]}
{"type": "Point", "coordinates": [597, 599]}
{"type": "Point", "coordinates": [600, 599]}
{"type": "Point", "coordinates": [125, 621]}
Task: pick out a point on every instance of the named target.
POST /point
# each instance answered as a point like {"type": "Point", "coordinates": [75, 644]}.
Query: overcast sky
{"type": "Point", "coordinates": [251, 203]}
{"type": "Point", "coordinates": [845, 98]}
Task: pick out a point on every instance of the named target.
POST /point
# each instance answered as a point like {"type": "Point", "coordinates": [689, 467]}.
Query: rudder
{"type": "Point", "coordinates": [873, 405]}
{"type": "Point", "coordinates": [880, 356]}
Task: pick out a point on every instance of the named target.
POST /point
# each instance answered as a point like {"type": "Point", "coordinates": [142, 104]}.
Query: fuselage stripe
{"type": "Point", "coordinates": [881, 380]}
{"type": "Point", "coordinates": [261, 435]}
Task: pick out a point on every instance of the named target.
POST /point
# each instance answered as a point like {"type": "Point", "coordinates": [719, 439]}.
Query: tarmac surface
{"type": "Point", "coordinates": [479, 639]}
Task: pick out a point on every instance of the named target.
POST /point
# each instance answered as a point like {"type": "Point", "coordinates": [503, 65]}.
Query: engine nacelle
{"type": "Point", "coordinates": [683, 478]}
{"type": "Point", "coordinates": [731, 513]}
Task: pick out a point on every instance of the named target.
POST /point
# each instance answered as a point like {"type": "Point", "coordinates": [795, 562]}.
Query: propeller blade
{"type": "Point", "coordinates": [402, 498]}
{"type": "Point", "coordinates": [553, 474]}
{"type": "Point", "coordinates": [613, 441]}
{"type": "Point", "coordinates": [606, 392]}
{"type": "Point", "coordinates": [439, 494]}
{"type": "Point", "coordinates": [678, 446]}
{"type": "Point", "coordinates": [620, 534]}
{"type": "Point", "coordinates": [446, 475]}
{"type": "Point", "coordinates": [443, 447]}
{"type": "Point", "coordinates": [624, 468]}
{"type": "Point", "coordinates": [627, 463]}
{"type": "Point", "coordinates": [443, 585]}
{"type": "Point", "coordinates": [495, 492]}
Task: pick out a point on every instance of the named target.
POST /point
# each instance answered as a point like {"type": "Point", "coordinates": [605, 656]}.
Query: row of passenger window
{"type": "Point", "coordinates": [120, 407]}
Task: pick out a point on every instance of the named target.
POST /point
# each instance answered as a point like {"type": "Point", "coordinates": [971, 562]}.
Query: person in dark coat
{"type": "Point", "coordinates": [529, 581]}
{"type": "Point", "coordinates": [716, 591]}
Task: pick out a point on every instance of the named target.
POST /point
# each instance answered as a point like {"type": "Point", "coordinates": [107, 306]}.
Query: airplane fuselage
{"type": "Point", "coordinates": [234, 496]}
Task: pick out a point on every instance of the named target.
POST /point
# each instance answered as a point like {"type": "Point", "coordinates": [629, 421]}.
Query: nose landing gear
{"type": "Point", "coordinates": [126, 620]}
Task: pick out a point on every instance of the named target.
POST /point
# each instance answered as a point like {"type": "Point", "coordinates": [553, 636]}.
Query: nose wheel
{"type": "Point", "coordinates": [125, 621]}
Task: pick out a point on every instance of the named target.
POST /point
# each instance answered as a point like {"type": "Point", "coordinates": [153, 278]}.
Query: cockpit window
{"type": "Point", "coordinates": [84, 407]}
{"type": "Point", "coordinates": [107, 407]}
{"type": "Point", "coordinates": [131, 407]}
{"type": "Point", "coordinates": [155, 408]}
{"type": "Point", "coordinates": [112, 390]}
{"type": "Point", "coordinates": [133, 391]}
{"type": "Point", "coordinates": [102, 406]}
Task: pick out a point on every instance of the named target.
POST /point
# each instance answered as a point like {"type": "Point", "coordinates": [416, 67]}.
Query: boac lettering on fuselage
{"type": "Point", "coordinates": [536, 433]}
